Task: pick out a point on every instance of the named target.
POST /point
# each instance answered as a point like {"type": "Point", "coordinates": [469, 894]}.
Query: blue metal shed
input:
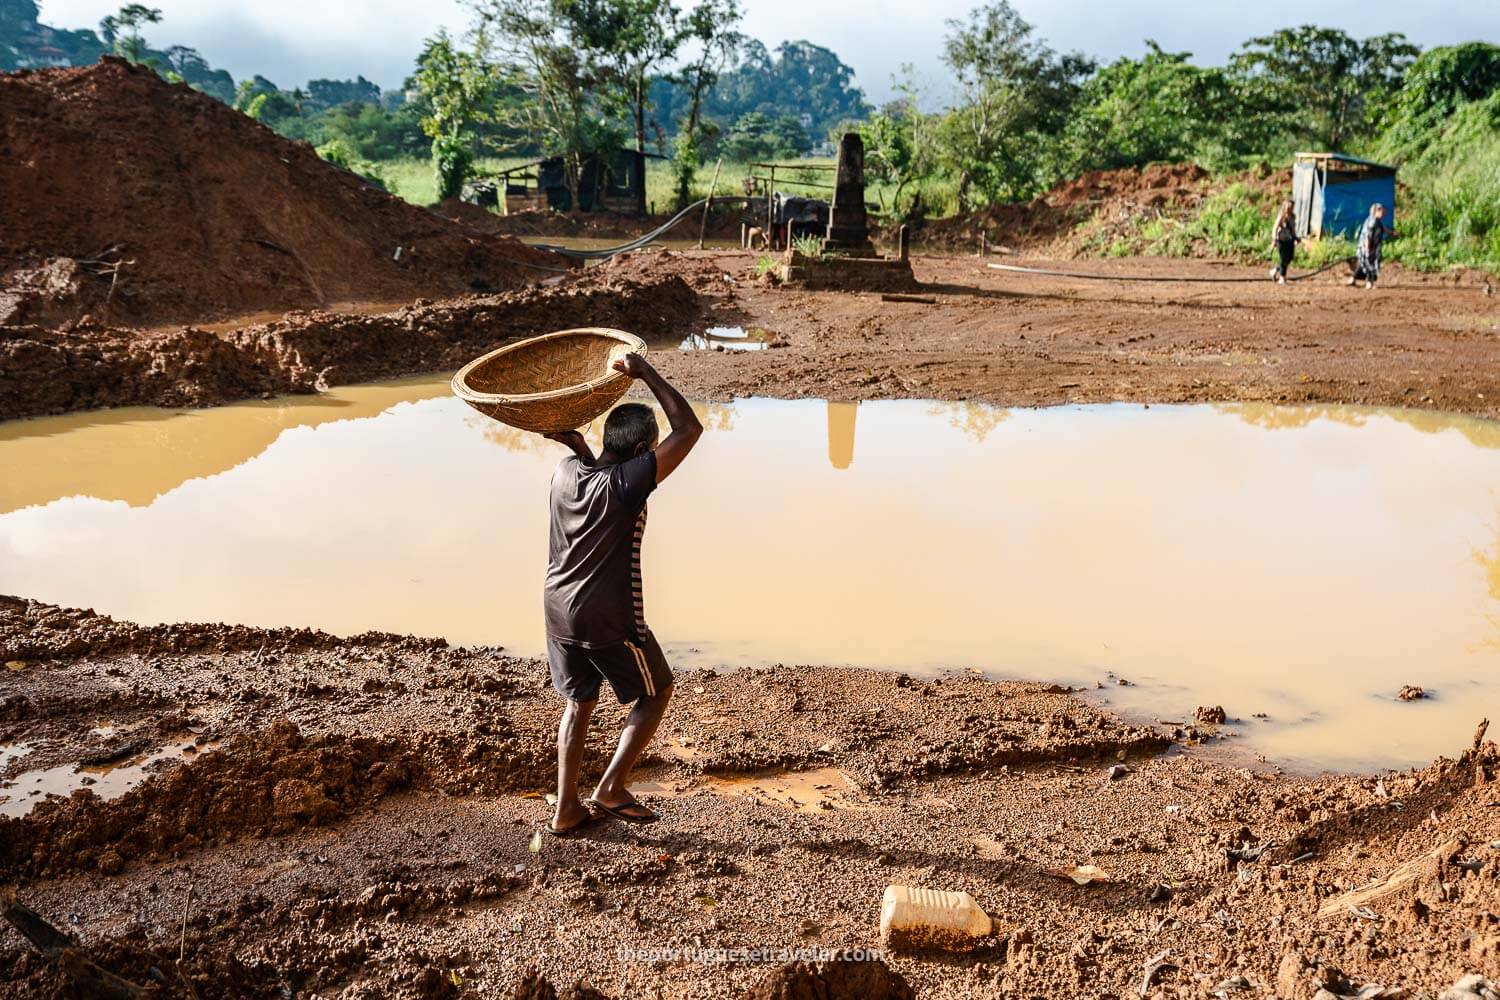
{"type": "Point", "coordinates": [1333, 193]}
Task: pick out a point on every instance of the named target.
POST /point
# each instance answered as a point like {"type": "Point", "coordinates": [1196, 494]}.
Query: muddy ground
{"type": "Point", "coordinates": [357, 819]}
{"type": "Point", "coordinates": [1424, 341]}
{"type": "Point", "coordinates": [1419, 340]}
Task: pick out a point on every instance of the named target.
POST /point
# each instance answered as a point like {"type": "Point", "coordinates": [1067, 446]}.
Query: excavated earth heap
{"type": "Point", "coordinates": [139, 201]}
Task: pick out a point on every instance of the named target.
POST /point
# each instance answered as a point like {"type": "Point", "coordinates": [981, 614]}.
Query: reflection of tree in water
{"type": "Point", "coordinates": [976, 420]}
{"type": "Point", "coordinates": [1483, 433]}
{"type": "Point", "coordinates": [1490, 561]}
{"type": "Point", "coordinates": [713, 417]}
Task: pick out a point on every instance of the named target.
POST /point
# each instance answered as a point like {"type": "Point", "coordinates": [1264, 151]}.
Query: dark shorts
{"type": "Point", "coordinates": [634, 668]}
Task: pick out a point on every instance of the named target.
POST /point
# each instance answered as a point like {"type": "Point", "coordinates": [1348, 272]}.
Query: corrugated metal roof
{"type": "Point", "coordinates": [1343, 158]}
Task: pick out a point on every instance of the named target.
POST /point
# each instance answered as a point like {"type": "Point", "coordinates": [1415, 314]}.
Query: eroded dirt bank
{"type": "Point", "coordinates": [356, 819]}
{"type": "Point", "coordinates": [90, 366]}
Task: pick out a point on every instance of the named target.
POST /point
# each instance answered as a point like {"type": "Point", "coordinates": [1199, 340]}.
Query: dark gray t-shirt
{"type": "Point", "coordinates": [593, 590]}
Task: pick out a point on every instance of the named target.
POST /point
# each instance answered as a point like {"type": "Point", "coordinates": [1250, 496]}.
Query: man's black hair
{"type": "Point", "coordinates": [628, 426]}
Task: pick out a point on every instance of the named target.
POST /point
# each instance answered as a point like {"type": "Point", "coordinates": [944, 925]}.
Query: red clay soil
{"type": "Point", "coordinates": [91, 365]}
{"type": "Point", "coordinates": [361, 818]}
{"type": "Point", "coordinates": [140, 201]}
{"type": "Point", "coordinates": [1110, 201]}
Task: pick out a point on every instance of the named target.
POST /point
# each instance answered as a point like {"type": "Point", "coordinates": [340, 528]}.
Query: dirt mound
{"type": "Point", "coordinates": [1159, 180]}
{"type": "Point", "coordinates": [143, 201]}
{"type": "Point", "coordinates": [1087, 214]}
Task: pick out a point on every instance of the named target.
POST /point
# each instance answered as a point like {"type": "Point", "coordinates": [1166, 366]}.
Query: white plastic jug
{"type": "Point", "coordinates": [916, 919]}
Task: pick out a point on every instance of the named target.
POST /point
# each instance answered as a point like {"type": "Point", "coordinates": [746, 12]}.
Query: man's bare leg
{"type": "Point", "coordinates": [571, 732]}
{"type": "Point", "coordinates": [640, 726]}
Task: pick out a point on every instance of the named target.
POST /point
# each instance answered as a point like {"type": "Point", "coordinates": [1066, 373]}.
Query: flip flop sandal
{"type": "Point", "coordinates": [563, 834]}
{"type": "Point", "coordinates": [629, 812]}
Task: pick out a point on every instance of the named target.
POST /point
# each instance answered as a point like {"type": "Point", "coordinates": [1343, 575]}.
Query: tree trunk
{"type": "Point", "coordinates": [640, 112]}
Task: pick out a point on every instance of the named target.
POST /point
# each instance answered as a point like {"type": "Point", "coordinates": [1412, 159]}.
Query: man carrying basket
{"type": "Point", "coordinates": [596, 623]}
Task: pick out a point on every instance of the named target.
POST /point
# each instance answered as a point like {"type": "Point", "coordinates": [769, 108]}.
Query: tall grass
{"type": "Point", "coordinates": [412, 179]}
{"type": "Point", "coordinates": [1232, 223]}
{"type": "Point", "coordinates": [1452, 190]}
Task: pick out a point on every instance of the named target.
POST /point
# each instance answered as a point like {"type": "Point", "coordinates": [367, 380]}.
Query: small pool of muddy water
{"type": "Point", "coordinates": [1303, 563]}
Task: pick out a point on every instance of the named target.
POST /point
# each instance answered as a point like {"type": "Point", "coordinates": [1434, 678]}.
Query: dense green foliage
{"type": "Point", "coordinates": [1327, 88]}
{"type": "Point", "coordinates": [1161, 109]}
{"type": "Point", "coordinates": [578, 78]}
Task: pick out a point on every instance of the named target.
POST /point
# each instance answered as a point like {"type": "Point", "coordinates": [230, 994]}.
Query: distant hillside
{"type": "Point", "coordinates": [26, 43]}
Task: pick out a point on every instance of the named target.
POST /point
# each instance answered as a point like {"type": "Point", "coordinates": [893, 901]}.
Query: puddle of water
{"type": "Point", "coordinates": [728, 338]}
{"type": "Point", "coordinates": [819, 790]}
{"type": "Point", "coordinates": [108, 781]}
{"type": "Point", "coordinates": [13, 751]}
{"type": "Point", "coordinates": [1304, 563]}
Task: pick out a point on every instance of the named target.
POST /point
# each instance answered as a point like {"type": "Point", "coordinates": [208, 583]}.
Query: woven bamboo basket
{"type": "Point", "coordinates": [552, 383]}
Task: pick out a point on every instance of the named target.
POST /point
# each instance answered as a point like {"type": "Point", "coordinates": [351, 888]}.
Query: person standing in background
{"type": "Point", "coordinates": [1368, 245]}
{"type": "Point", "coordinates": [1283, 240]}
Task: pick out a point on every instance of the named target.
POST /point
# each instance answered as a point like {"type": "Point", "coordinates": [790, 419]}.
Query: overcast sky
{"type": "Point", "coordinates": [292, 41]}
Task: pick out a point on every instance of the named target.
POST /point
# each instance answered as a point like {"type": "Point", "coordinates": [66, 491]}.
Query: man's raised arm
{"type": "Point", "coordinates": [684, 422]}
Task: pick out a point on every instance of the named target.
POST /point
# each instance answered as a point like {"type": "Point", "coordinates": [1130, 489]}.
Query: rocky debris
{"type": "Point", "coordinates": [1410, 692]}
{"type": "Point", "coordinates": [1473, 987]}
{"type": "Point", "coordinates": [142, 201]}
{"type": "Point", "coordinates": [1210, 715]}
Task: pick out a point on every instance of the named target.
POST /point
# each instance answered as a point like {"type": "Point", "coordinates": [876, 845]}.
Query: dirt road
{"type": "Point", "coordinates": [1024, 340]}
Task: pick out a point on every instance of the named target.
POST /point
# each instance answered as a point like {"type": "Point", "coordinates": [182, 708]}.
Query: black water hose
{"type": "Point", "coordinates": [1152, 277]}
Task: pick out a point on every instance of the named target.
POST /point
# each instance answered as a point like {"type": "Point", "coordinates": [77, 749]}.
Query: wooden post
{"type": "Point", "coordinates": [744, 236]}
{"type": "Point", "coordinates": [710, 202]}
{"type": "Point", "coordinates": [903, 243]}
{"type": "Point", "coordinates": [770, 192]}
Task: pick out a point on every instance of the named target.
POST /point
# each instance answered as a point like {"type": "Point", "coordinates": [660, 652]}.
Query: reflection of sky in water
{"type": "Point", "coordinates": [1304, 563]}
{"type": "Point", "coordinates": [727, 338]}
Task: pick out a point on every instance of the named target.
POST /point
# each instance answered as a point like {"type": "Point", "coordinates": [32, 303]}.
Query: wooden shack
{"type": "Point", "coordinates": [609, 183]}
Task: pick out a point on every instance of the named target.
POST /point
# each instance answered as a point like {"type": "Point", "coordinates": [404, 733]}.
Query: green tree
{"type": "Point", "coordinates": [1160, 108]}
{"type": "Point", "coordinates": [1016, 94]}
{"type": "Point", "coordinates": [898, 150]}
{"type": "Point", "coordinates": [758, 136]}
{"type": "Point", "coordinates": [122, 29]}
{"type": "Point", "coordinates": [323, 94]}
{"type": "Point", "coordinates": [194, 70]}
{"type": "Point", "coordinates": [1437, 85]}
{"type": "Point", "coordinates": [558, 75]}
{"type": "Point", "coordinates": [629, 39]}
{"type": "Point", "coordinates": [1329, 87]}
{"type": "Point", "coordinates": [710, 29]}
{"type": "Point", "coordinates": [458, 87]}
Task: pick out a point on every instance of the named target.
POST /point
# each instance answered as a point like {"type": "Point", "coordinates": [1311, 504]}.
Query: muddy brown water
{"type": "Point", "coordinates": [1297, 563]}
{"type": "Point", "coordinates": [108, 781]}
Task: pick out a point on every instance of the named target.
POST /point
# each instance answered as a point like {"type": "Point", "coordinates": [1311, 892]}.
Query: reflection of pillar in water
{"type": "Point", "coordinates": [841, 433]}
